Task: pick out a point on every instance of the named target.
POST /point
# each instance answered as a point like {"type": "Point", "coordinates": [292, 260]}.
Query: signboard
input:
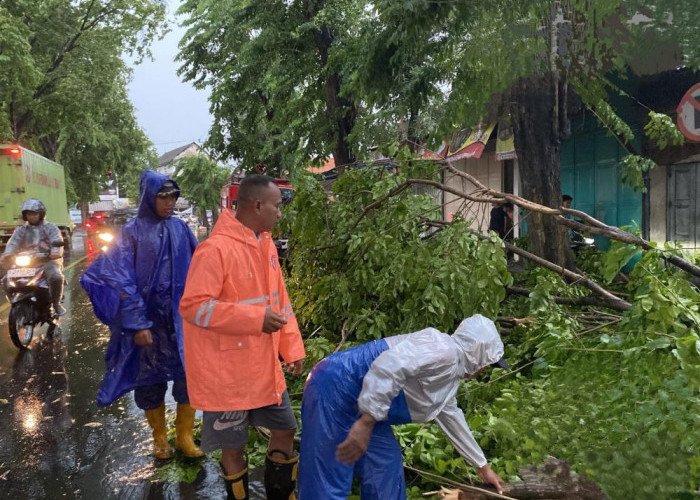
{"type": "Point", "coordinates": [689, 114]}
{"type": "Point", "coordinates": [505, 142]}
{"type": "Point", "coordinates": [470, 142]}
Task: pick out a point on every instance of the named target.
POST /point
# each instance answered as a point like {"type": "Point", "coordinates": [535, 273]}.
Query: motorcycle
{"type": "Point", "coordinates": [100, 241]}
{"type": "Point", "coordinates": [578, 241]}
{"type": "Point", "coordinates": [27, 291]}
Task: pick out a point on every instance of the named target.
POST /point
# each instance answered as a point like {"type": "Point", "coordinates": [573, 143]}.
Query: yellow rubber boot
{"type": "Point", "coordinates": [156, 419]}
{"type": "Point", "coordinates": [184, 424]}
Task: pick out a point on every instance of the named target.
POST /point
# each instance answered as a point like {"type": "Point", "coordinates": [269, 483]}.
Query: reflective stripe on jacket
{"type": "Point", "coordinates": [230, 363]}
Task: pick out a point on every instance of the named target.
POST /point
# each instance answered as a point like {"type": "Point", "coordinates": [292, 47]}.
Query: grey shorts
{"type": "Point", "coordinates": [229, 429]}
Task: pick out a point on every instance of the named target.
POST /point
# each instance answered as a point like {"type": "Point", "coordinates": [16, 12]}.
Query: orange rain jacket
{"type": "Point", "coordinates": [230, 363]}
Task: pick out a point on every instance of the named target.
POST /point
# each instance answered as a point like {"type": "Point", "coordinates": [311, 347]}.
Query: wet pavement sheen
{"type": "Point", "coordinates": [55, 442]}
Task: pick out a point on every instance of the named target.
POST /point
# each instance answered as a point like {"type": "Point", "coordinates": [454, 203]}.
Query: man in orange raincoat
{"type": "Point", "coordinates": [238, 322]}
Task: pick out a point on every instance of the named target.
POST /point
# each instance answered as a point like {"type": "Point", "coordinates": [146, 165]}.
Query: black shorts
{"type": "Point", "coordinates": [229, 429]}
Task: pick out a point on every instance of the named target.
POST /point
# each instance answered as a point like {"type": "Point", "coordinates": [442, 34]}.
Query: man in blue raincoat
{"type": "Point", "coordinates": [135, 289]}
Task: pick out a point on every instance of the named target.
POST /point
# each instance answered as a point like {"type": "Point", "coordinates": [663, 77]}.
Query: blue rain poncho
{"type": "Point", "coordinates": [138, 284]}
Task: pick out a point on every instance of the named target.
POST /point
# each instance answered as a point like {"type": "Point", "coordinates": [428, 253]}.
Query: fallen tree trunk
{"type": "Point", "coordinates": [591, 225]}
{"type": "Point", "coordinates": [572, 301]}
{"type": "Point", "coordinates": [553, 480]}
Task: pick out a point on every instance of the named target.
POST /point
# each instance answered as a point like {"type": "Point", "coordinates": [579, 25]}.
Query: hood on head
{"type": "Point", "coordinates": [478, 339]}
{"type": "Point", "coordinates": [151, 183]}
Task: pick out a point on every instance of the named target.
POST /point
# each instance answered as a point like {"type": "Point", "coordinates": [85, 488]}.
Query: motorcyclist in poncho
{"type": "Point", "coordinates": [135, 289]}
{"type": "Point", "coordinates": [41, 237]}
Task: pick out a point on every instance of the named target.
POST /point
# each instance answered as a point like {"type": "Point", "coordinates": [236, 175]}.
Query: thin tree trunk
{"type": "Point", "coordinates": [205, 219]}
{"type": "Point", "coordinates": [340, 111]}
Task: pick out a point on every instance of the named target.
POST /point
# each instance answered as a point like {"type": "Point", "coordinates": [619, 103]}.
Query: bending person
{"type": "Point", "coordinates": [353, 397]}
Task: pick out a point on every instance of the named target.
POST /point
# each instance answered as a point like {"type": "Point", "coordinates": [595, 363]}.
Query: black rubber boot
{"type": "Point", "coordinates": [56, 292]}
{"type": "Point", "coordinates": [280, 475]}
{"type": "Point", "coordinates": [236, 484]}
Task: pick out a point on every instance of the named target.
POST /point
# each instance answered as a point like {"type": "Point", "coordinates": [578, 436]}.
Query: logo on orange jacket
{"type": "Point", "coordinates": [273, 262]}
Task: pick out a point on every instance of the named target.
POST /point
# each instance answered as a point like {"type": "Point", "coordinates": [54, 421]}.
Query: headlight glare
{"type": "Point", "coordinates": [23, 260]}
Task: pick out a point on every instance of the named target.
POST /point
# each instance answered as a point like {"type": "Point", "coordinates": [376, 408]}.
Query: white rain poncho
{"type": "Point", "coordinates": [406, 378]}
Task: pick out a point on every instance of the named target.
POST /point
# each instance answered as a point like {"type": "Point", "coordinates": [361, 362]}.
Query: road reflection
{"type": "Point", "coordinates": [34, 423]}
{"type": "Point", "coordinates": [55, 442]}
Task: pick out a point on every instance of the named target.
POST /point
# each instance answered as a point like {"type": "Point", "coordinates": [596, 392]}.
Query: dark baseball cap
{"type": "Point", "coordinates": [168, 188]}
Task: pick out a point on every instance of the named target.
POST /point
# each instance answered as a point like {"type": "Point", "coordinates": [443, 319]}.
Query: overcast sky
{"type": "Point", "coordinates": [172, 113]}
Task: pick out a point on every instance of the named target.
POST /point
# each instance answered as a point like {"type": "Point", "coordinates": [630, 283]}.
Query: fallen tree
{"type": "Point", "coordinates": [553, 480]}
{"type": "Point", "coordinates": [603, 360]}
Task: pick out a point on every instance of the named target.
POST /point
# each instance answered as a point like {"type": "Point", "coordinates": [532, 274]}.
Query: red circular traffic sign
{"type": "Point", "coordinates": [689, 114]}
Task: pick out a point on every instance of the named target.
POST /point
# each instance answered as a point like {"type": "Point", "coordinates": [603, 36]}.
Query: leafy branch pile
{"type": "Point", "coordinates": [615, 394]}
{"type": "Point", "coordinates": [383, 274]}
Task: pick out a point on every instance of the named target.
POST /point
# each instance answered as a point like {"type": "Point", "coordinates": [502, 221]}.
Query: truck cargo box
{"type": "Point", "coordinates": [25, 174]}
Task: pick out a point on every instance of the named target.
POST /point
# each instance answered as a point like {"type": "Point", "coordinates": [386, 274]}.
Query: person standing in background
{"type": "Point", "coordinates": [501, 220]}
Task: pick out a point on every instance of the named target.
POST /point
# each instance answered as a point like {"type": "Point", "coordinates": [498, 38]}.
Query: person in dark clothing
{"type": "Point", "coordinates": [135, 289]}
{"type": "Point", "coordinates": [576, 239]}
{"type": "Point", "coordinates": [501, 221]}
{"type": "Point", "coordinates": [42, 237]}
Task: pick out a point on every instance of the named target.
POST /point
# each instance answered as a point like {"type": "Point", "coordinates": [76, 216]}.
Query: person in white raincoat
{"type": "Point", "coordinates": [352, 398]}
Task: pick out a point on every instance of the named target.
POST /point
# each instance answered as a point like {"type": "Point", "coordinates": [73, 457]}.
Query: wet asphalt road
{"type": "Point", "coordinates": [55, 442]}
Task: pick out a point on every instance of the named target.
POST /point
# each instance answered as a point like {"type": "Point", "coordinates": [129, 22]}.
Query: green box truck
{"type": "Point", "coordinates": [25, 174]}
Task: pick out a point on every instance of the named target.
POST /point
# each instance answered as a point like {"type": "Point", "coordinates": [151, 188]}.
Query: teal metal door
{"type": "Point", "coordinates": [590, 173]}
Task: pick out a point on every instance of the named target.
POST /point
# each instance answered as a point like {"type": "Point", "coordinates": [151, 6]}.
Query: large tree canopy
{"type": "Point", "coordinates": [292, 81]}
{"type": "Point", "coordinates": [63, 83]}
{"type": "Point", "coordinates": [526, 60]}
{"type": "Point", "coordinates": [277, 86]}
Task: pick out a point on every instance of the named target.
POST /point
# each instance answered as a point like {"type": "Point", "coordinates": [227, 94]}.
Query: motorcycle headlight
{"type": "Point", "coordinates": [105, 237]}
{"type": "Point", "coordinates": [23, 260]}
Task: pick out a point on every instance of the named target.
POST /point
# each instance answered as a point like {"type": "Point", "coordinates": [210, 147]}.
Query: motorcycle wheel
{"type": "Point", "coordinates": [21, 326]}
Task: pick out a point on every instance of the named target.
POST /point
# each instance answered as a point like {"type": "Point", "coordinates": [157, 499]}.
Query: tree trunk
{"type": "Point", "coordinates": [551, 480]}
{"type": "Point", "coordinates": [205, 219]}
{"type": "Point", "coordinates": [340, 111]}
{"type": "Point", "coordinates": [534, 108]}
{"type": "Point", "coordinates": [49, 146]}
{"type": "Point", "coordinates": [84, 209]}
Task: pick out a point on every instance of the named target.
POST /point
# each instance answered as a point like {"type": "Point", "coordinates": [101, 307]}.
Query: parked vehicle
{"type": "Point", "coordinates": [25, 174]}
{"type": "Point", "coordinates": [121, 216]}
{"type": "Point", "coordinates": [30, 301]}
{"type": "Point", "coordinates": [229, 195]}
